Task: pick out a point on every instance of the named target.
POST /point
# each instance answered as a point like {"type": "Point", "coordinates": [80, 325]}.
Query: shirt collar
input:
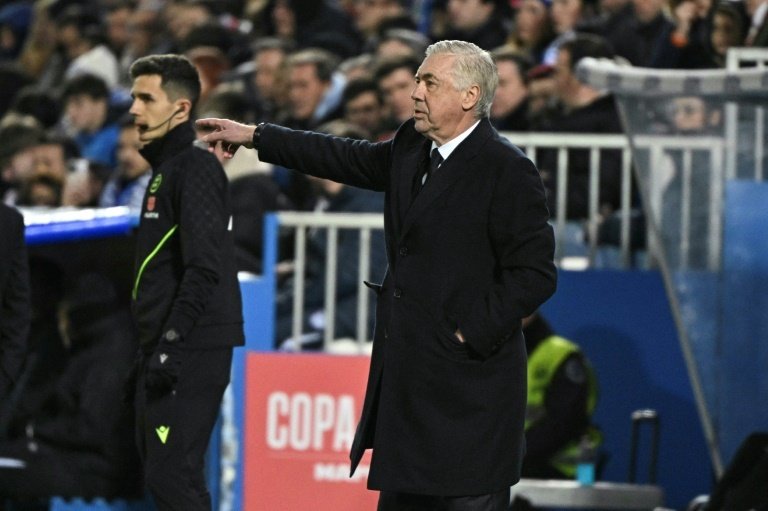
{"type": "Point", "coordinates": [446, 149]}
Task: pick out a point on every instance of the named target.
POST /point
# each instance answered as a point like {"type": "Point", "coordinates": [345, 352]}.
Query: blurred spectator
{"type": "Point", "coordinates": [12, 80]}
{"type": "Point", "coordinates": [146, 35]}
{"type": "Point", "coordinates": [757, 10]}
{"type": "Point", "coordinates": [533, 28]}
{"type": "Point", "coordinates": [566, 16]}
{"type": "Point", "coordinates": [587, 110]}
{"type": "Point", "coordinates": [84, 185]}
{"type": "Point", "coordinates": [686, 43]}
{"type": "Point", "coordinates": [87, 116]}
{"type": "Point", "coordinates": [686, 193]}
{"type": "Point", "coordinates": [74, 435]}
{"type": "Point", "coordinates": [81, 36]}
{"type": "Point", "coordinates": [364, 107]}
{"type": "Point", "coordinates": [117, 20]}
{"type": "Point", "coordinates": [562, 395]}
{"type": "Point", "coordinates": [395, 78]}
{"type": "Point", "coordinates": [510, 107]}
{"type": "Point", "coordinates": [269, 54]}
{"type": "Point", "coordinates": [476, 21]}
{"type": "Point", "coordinates": [613, 7]}
{"type": "Point", "coordinates": [54, 156]}
{"type": "Point", "coordinates": [729, 29]}
{"type": "Point", "coordinates": [542, 95]}
{"type": "Point", "coordinates": [314, 97]}
{"type": "Point", "coordinates": [333, 197]}
{"type": "Point", "coordinates": [126, 185]}
{"type": "Point", "coordinates": [17, 157]}
{"type": "Point", "coordinates": [397, 42]}
{"type": "Point", "coordinates": [371, 15]}
{"type": "Point", "coordinates": [692, 115]}
{"type": "Point", "coordinates": [313, 24]}
{"type": "Point", "coordinates": [314, 89]}
{"type": "Point", "coordinates": [15, 306]}
{"type": "Point", "coordinates": [253, 192]}
{"type": "Point", "coordinates": [210, 48]}
{"type": "Point", "coordinates": [41, 191]}
{"type": "Point", "coordinates": [183, 16]}
{"type": "Point", "coordinates": [38, 103]}
{"type": "Point", "coordinates": [610, 19]}
{"type": "Point", "coordinates": [358, 67]}
{"type": "Point", "coordinates": [637, 36]}
{"type": "Point", "coordinates": [38, 53]}
{"type": "Point", "coordinates": [15, 19]}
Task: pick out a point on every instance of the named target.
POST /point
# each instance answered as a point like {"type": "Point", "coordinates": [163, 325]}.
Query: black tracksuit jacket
{"type": "Point", "coordinates": [185, 277]}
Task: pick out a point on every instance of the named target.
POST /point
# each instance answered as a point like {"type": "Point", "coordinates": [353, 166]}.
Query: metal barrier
{"type": "Point", "coordinates": [595, 143]}
{"type": "Point", "coordinates": [653, 151]}
{"type": "Point", "coordinates": [365, 223]}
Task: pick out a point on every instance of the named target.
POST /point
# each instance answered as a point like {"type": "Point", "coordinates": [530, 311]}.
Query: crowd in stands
{"type": "Point", "coordinates": [340, 66]}
{"type": "Point", "coordinates": [302, 63]}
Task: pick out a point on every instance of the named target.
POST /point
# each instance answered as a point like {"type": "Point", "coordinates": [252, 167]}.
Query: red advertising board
{"type": "Point", "coordinates": [300, 417]}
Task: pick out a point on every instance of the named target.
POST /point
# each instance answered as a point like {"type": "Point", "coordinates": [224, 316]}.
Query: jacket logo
{"type": "Point", "coordinates": [162, 433]}
{"type": "Point", "coordinates": [151, 203]}
{"type": "Point", "coordinates": [155, 186]}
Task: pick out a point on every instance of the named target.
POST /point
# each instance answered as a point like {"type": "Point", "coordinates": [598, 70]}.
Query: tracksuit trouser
{"type": "Point", "coordinates": [173, 429]}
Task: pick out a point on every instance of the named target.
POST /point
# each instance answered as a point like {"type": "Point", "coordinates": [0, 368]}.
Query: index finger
{"type": "Point", "coordinates": [209, 122]}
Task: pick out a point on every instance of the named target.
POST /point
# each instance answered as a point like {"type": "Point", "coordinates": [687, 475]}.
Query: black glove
{"type": "Point", "coordinates": [129, 385]}
{"type": "Point", "coordinates": [165, 364]}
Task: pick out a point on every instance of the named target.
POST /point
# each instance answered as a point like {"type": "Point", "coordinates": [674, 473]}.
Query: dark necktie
{"type": "Point", "coordinates": [435, 159]}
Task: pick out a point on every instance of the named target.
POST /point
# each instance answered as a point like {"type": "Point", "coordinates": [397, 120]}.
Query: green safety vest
{"type": "Point", "coordinates": [542, 366]}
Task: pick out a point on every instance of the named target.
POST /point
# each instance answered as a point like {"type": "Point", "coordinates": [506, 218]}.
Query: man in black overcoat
{"type": "Point", "coordinates": [15, 307]}
{"type": "Point", "coordinates": [470, 254]}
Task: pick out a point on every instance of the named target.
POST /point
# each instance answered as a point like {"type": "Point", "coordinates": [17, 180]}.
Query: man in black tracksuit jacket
{"type": "Point", "coordinates": [186, 299]}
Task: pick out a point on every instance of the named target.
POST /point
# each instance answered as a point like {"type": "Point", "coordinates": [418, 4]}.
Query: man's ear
{"type": "Point", "coordinates": [470, 97]}
{"type": "Point", "coordinates": [184, 106]}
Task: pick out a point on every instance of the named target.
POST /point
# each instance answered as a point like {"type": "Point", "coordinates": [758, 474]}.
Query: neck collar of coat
{"type": "Point", "coordinates": [159, 150]}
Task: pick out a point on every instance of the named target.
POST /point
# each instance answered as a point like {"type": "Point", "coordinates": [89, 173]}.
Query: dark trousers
{"type": "Point", "coordinates": [394, 501]}
{"type": "Point", "coordinates": [173, 429]}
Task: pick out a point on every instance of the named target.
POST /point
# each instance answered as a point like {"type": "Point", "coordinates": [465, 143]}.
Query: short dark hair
{"type": "Point", "coordinates": [17, 137]}
{"type": "Point", "coordinates": [390, 65]}
{"type": "Point", "coordinates": [587, 45]}
{"type": "Point", "coordinates": [40, 103]}
{"type": "Point", "coordinates": [523, 62]}
{"type": "Point", "coordinates": [68, 145]}
{"type": "Point", "coordinates": [178, 77]}
{"type": "Point", "coordinates": [324, 61]}
{"type": "Point", "coordinates": [360, 86]}
{"type": "Point", "coordinates": [271, 43]}
{"type": "Point", "coordinates": [229, 103]}
{"type": "Point", "coordinates": [86, 84]}
{"type": "Point", "coordinates": [88, 24]}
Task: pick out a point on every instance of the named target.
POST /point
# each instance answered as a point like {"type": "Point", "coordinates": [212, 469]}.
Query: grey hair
{"type": "Point", "coordinates": [473, 66]}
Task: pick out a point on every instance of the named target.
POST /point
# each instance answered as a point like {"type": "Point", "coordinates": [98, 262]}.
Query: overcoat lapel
{"type": "Point", "coordinates": [453, 169]}
{"type": "Point", "coordinates": [414, 163]}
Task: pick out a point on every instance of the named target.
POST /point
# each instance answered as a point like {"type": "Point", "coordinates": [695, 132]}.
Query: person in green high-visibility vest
{"type": "Point", "coordinates": [562, 394]}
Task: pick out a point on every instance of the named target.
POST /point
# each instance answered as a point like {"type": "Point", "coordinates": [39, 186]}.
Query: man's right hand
{"type": "Point", "coordinates": [164, 367]}
{"type": "Point", "coordinates": [231, 134]}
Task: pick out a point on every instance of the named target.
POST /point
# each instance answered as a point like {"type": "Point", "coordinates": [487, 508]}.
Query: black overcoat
{"type": "Point", "coordinates": [15, 300]}
{"type": "Point", "coordinates": [472, 251]}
